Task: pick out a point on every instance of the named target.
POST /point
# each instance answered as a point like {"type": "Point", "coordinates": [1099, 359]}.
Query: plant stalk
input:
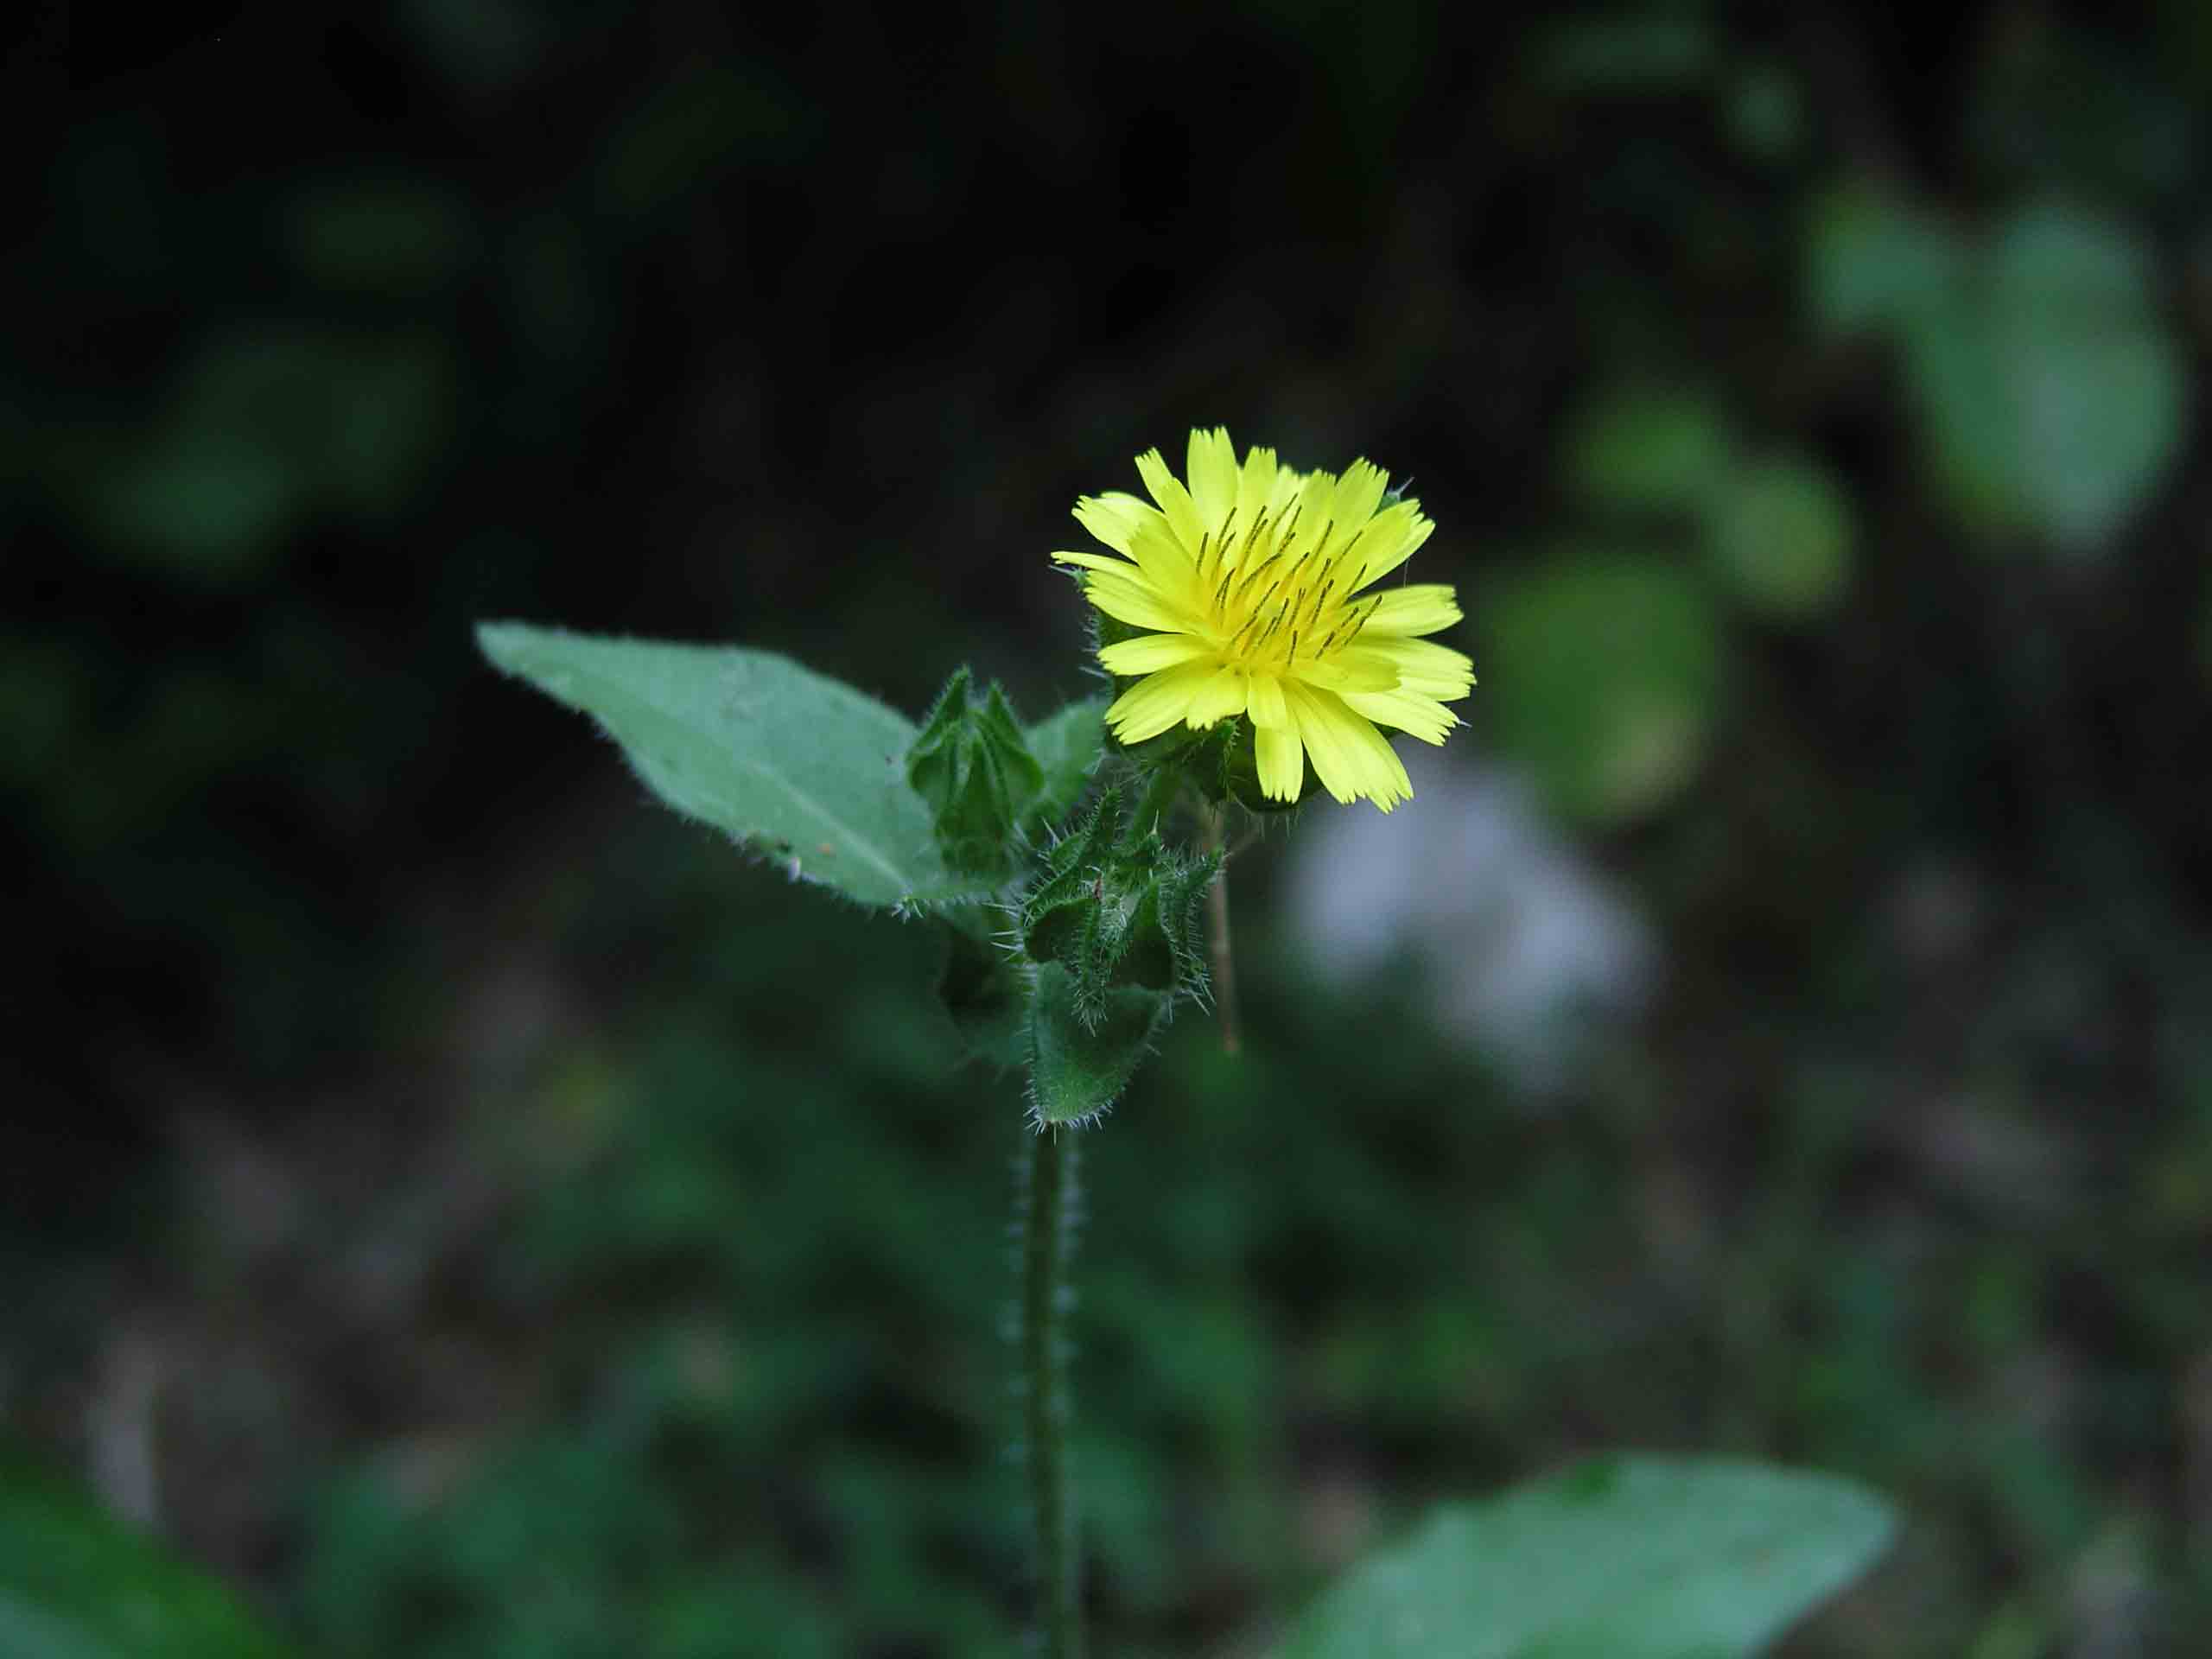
{"type": "Point", "coordinates": [1048, 1241]}
{"type": "Point", "coordinates": [1224, 965]}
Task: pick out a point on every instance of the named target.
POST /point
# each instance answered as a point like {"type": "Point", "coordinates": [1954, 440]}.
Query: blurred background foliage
{"type": "Point", "coordinates": [477, 1215]}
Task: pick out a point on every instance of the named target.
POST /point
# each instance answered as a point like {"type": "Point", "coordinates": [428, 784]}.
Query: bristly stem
{"type": "Point", "coordinates": [1224, 966]}
{"type": "Point", "coordinates": [1047, 1242]}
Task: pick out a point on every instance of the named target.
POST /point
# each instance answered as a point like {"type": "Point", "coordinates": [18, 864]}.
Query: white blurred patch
{"type": "Point", "coordinates": [1521, 948]}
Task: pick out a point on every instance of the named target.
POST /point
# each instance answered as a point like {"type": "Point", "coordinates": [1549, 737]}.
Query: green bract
{"type": "Point", "coordinates": [1118, 908]}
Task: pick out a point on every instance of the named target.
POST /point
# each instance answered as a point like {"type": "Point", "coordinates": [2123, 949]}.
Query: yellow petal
{"type": "Point", "coordinates": [1350, 756]}
{"type": "Point", "coordinates": [1256, 484]}
{"type": "Point", "coordinates": [1267, 705]}
{"type": "Point", "coordinates": [1388, 541]}
{"type": "Point", "coordinates": [1109, 520]}
{"type": "Point", "coordinates": [1211, 469]}
{"type": "Point", "coordinates": [1281, 760]}
{"type": "Point", "coordinates": [1157, 701]}
{"type": "Point", "coordinates": [1417, 607]}
{"type": "Point", "coordinates": [1137, 529]}
{"type": "Point", "coordinates": [1130, 600]}
{"type": "Point", "coordinates": [1166, 564]}
{"type": "Point", "coordinates": [1317, 497]}
{"type": "Point", "coordinates": [1174, 500]}
{"type": "Point", "coordinates": [1096, 562]}
{"type": "Point", "coordinates": [1348, 670]}
{"type": "Point", "coordinates": [1217, 699]}
{"type": "Point", "coordinates": [1357, 494]}
{"type": "Point", "coordinates": [1422, 665]}
{"type": "Point", "coordinates": [1151, 652]}
{"type": "Point", "coordinates": [1409, 711]}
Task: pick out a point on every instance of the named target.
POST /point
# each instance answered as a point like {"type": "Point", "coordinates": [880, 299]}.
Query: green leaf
{"type": "Point", "coordinates": [402, 237]}
{"type": "Point", "coordinates": [1871, 261]}
{"type": "Point", "coordinates": [1076, 1070]}
{"type": "Point", "coordinates": [1067, 746]}
{"type": "Point", "coordinates": [1780, 536]}
{"type": "Point", "coordinates": [793, 764]}
{"type": "Point", "coordinates": [984, 991]}
{"type": "Point", "coordinates": [2095, 382]}
{"type": "Point", "coordinates": [1604, 677]}
{"type": "Point", "coordinates": [1623, 1558]}
{"type": "Point", "coordinates": [1648, 55]}
{"type": "Point", "coordinates": [77, 1584]}
{"type": "Point", "coordinates": [2051, 394]}
{"type": "Point", "coordinates": [1648, 449]}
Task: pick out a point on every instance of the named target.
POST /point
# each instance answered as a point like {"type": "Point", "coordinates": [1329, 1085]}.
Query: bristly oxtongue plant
{"type": "Point", "coordinates": [1075, 867]}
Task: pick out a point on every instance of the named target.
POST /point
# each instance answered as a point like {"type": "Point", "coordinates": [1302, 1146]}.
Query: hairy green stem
{"type": "Point", "coordinates": [1047, 1242]}
{"type": "Point", "coordinates": [1224, 966]}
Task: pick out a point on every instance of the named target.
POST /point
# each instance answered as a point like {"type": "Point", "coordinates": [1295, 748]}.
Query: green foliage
{"type": "Point", "coordinates": [394, 235]}
{"type": "Point", "coordinates": [973, 766]}
{"type": "Point", "coordinates": [2049, 392]}
{"type": "Point", "coordinates": [1780, 536]}
{"type": "Point", "coordinates": [267, 426]}
{"type": "Point", "coordinates": [789, 764]}
{"type": "Point", "coordinates": [1873, 261]}
{"type": "Point", "coordinates": [1066, 744]}
{"type": "Point", "coordinates": [1651, 52]}
{"type": "Point", "coordinates": [1625, 1558]}
{"type": "Point", "coordinates": [985, 990]}
{"type": "Point", "coordinates": [77, 1584]}
{"type": "Point", "coordinates": [1604, 677]}
{"type": "Point", "coordinates": [1648, 449]}
{"type": "Point", "coordinates": [1115, 920]}
{"type": "Point", "coordinates": [817, 775]}
{"type": "Point", "coordinates": [1085, 1049]}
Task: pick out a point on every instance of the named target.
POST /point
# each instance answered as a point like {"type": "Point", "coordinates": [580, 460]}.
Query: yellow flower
{"type": "Point", "coordinates": [1253, 576]}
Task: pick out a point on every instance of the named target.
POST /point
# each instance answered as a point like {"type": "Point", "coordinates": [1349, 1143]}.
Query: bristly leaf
{"type": "Point", "coordinates": [1077, 1069]}
{"type": "Point", "coordinates": [795, 765]}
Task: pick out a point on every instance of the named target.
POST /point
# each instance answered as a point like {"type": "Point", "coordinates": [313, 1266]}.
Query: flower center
{"type": "Point", "coordinates": [1275, 595]}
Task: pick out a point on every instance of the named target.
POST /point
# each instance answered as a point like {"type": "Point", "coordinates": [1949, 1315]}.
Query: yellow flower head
{"type": "Point", "coordinates": [1255, 576]}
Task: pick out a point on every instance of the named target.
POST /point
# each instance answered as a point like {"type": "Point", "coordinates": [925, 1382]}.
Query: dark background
{"type": "Point", "coordinates": [480, 1215]}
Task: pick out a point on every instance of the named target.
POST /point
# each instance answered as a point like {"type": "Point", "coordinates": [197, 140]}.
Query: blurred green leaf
{"type": "Point", "coordinates": [1651, 52]}
{"type": "Point", "coordinates": [2095, 377]}
{"type": "Point", "coordinates": [1076, 1071]}
{"type": "Point", "coordinates": [208, 504]}
{"type": "Point", "coordinates": [1870, 260]}
{"type": "Point", "coordinates": [1766, 112]}
{"type": "Point", "coordinates": [2052, 393]}
{"type": "Point", "coordinates": [388, 416]}
{"type": "Point", "coordinates": [1067, 745]}
{"type": "Point", "coordinates": [266, 424]}
{"type": "Point", "coordinates": [1605, 675]}
{"type": "Point", "coordinates": [406, 238]}
{"type": "Point", "coordinates": [707, 118]}
{"type": "Point", "coordinates": [77, 1584]}
{"type": "Point", "coordinates": [1623, 1558]}
{"type": "Point", "coordinates": [984, 992]}
{"type": "Point", "coordinates": [786, 761]}
{"type": "Point", "coordinates": [1648, 450]}
{"type": "Point", "coordinates": [1780, 536]}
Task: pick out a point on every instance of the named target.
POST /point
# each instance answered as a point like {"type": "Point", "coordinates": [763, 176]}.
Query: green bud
{"type": "Point", "coordinates": [973, 766]}
{"type": "Point", "coordinates": [1118, 909]}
